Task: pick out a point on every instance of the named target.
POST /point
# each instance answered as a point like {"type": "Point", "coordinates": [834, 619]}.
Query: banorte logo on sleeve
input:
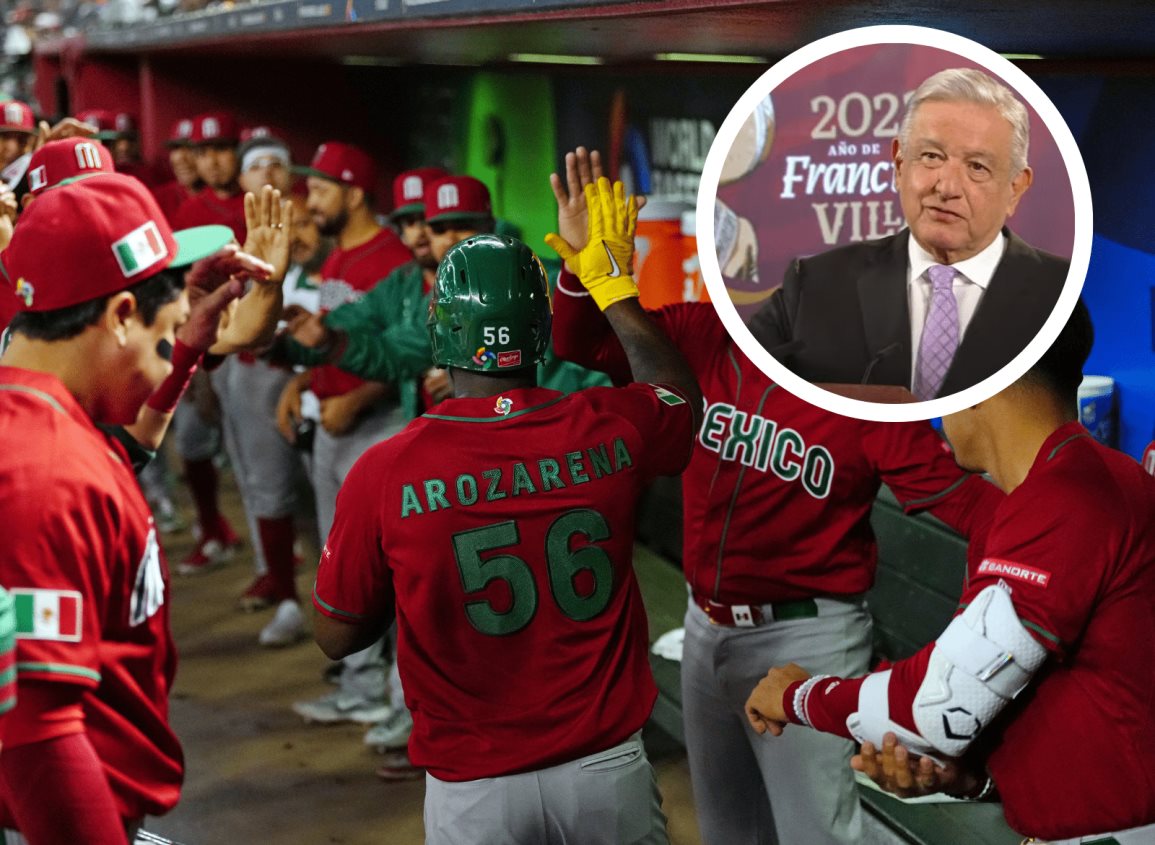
{"type": "Point", "coordinates": [448, 197]}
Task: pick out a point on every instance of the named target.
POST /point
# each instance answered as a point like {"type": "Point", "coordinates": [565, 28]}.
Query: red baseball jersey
{"type": "Point", "coordinates": [777, 499]}
{"type": "Point", "coordinates": [205, 208]}
{"type": "Point", "coordinates": [89, 583]}
{"type": "Point", "coordinates": [504, 528]}
{"type": "Point", "coordinates": [1075, 754]}
{"type": "Point", "coordinates": [170, 197]}
{"type": "Point", "coordinates": [1076, 544]}
{"type": "Point", "coordinates": [346, 276]}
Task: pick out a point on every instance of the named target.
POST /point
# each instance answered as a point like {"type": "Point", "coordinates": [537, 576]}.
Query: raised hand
{"type": "Point", "coordinates": [603, 262]}
{"type": "Point", "coordinates": [268, 223]}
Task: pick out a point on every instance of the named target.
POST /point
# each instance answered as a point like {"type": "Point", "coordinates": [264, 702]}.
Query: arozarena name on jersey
{"type": "Point", "coordinates": [761, 443]}
{"type": "Point", "coordinates": [523, 478]}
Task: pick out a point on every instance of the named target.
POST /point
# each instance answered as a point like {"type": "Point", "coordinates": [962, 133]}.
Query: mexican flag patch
{"type": "Point", "coordinates": [139, 249]}
{"type": "Point", "coordinates": [47, 614]}
{"type": "Point", "coordinates": [667, 396]}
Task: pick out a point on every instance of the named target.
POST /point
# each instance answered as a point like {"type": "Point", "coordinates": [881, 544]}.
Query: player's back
{"type": "Point", "coordinates": [1093, 598]}
{"type": "Point", "coordinates": [507, 529]}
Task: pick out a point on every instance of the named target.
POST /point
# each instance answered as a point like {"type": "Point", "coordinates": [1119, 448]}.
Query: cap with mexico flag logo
{"type": "Point", "coordinates": [93, 236]}
{"type": "Point", "coordinates": [409, 190]}
{"type": "Point", "coordinates": [60, 160]}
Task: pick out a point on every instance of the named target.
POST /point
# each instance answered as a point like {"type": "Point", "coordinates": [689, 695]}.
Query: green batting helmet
{"type": "Point", "coordinates": [490, 309]}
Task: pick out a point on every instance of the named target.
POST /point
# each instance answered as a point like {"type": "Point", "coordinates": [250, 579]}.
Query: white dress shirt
{"type": "Point", "coordinates": [971, 279]}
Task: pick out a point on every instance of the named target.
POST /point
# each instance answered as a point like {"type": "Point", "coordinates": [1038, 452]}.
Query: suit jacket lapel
{"type": "Point", "coordinates": [885, 314]}
{"type": "Point", "coordinates": [1009, 292]}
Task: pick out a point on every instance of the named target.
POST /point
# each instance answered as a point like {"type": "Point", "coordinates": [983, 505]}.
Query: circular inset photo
{"type": "Point", "coordinates": [900, 222]}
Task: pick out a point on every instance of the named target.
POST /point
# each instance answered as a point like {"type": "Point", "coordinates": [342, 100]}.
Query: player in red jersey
{"type": "Point", "coordinates": [778, 552]}
{"type": "Point", "coordinates": [186, 181]}
{"type": "Point", "coordinates": [521, 632]}
{"type": "Point", "coordinates": [214, 141]}
{"type": "Point", "coordinates": [1060, 598]}
{"type": "Point", "coordinates": [88, 750]}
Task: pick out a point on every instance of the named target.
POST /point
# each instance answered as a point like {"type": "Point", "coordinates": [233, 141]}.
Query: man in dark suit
{"type": "Point", "coordinates": [953, 298]}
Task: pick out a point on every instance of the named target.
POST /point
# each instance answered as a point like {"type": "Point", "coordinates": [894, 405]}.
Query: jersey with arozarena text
{"type": "Point", "coordinates": [205, 208]}
{"type": "Point", "coordinates": [778, 496]}
{"type": "Point", "coordinates": [89, 584]}
{"type": "Point", "coordinates": [346, 276]}
{"type": "Point", "coordinates": [504, 526]}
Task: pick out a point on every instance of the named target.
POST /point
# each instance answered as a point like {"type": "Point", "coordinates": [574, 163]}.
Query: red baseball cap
{"type": "Point", "coordinates": [59, 160]}
{"type": "Point", "coordinates": [343, 163]}
{"type": "Point", "coordinates": [409, 190]}
{"type": "Point", "coordinates": [181, 133]}
{"type": "Point", "coordinates": [215, 127]}
{"type": "Point", "coordinates": [457, 199]}
{"type": "Point", "coordinates": [17, 117]}
{"type": "Point", "coordinates": [95, 236]}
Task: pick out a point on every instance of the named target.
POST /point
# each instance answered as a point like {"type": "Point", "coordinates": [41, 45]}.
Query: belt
{"type": "Point", "coordinates": [753, 615]}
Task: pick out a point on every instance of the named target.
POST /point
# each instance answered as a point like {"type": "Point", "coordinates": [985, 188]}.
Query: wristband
{"type": "Point", "coordinates": [184, 363]}
{"type": "Point", "coordinates": [794, 699]}
{"type": "Point", "coordinates": [606, 290]}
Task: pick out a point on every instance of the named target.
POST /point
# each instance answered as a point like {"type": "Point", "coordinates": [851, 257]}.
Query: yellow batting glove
{"type": "Point", "coordinates": [603, 264]}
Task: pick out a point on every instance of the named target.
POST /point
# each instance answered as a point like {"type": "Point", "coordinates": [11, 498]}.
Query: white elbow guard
{"type": "Point", "coordinates": [983, 659]}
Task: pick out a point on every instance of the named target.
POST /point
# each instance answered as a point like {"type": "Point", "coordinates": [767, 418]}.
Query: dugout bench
{"type": "Point", "coordinates": [919, 579]}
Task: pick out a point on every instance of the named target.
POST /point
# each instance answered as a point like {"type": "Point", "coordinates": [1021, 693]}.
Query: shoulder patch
{"type": "Point", "coordinates": [1018, 571]}
{"type": "Point", "coordinates": [47, 614]}
{"type": "Point", "coordinates": [668, 396]}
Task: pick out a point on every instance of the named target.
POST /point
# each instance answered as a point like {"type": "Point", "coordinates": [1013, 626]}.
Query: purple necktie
{"type": "Point", "coordinates": [939, 339]}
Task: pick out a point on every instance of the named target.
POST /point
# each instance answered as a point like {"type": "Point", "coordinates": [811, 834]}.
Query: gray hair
{"type": "Point", "coordinates": [973, 86]}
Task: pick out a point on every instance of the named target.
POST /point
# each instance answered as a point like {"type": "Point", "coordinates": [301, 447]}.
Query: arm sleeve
{"type": "Point", "coordinates": [58, 570]}
{"type": "Point", "coordinates": [385, 334]}
{"type": "Point", "coordinates": [1041, 547]}
{"type": "Point", "coordinates": [138, 455]}
{"type": "Point", "coordinates": [662, 419]}
{"type": "Point", "coordinates": [1051, 552]}
{"type": "Point", "coordinates": [919, 467]}
{"type": "Point", "coordinates": [57, 791]}
{"type": "Point", "coordinates": [354, 583]}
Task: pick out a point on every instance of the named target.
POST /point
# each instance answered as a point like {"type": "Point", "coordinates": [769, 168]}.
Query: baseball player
{"type": "Point", "coordinates": [375, 337]}
{"type": "Point", "coordinates": [1059, 598]}
{"type": "Point", "coordinates": [186, 181]}
{"type": "Point", "coordinates": [88, 751]}
{"type": "Point", "coordinates": [17, 133]}
{"type": "Point", "coordinates": [777, 552]}
{"type": "Point", "coordinates": [267, 468]}
{"type": "Point", "coordinates": [354, 413]}
{"type": "Point", "coordinates": [214, 141]}
{"type": "Point", "coordinates": [527, 694]}
{"type": "Point", "coordinates": [118, 130]}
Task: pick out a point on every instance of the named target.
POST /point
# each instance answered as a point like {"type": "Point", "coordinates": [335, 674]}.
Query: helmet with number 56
{"type": "Point", "coordinates": [490, 310]}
